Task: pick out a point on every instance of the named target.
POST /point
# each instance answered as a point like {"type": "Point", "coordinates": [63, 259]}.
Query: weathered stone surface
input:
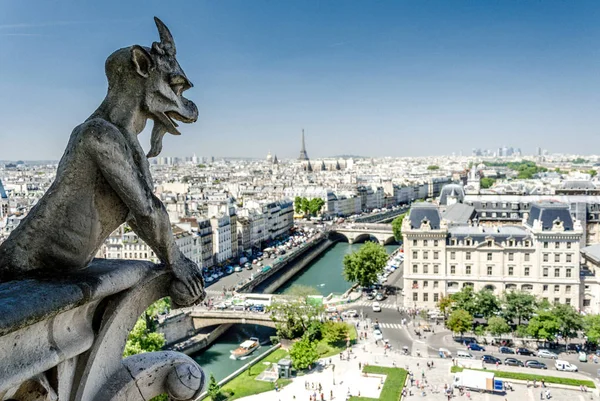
{"type": "Point", "coordinates": [103, 179]}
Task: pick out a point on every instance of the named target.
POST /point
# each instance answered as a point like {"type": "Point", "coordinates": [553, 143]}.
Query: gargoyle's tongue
{"type": "Point", "coordinates": [162, 125]}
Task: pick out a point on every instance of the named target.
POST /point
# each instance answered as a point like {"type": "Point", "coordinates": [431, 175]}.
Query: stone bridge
{"type": "Point", "coordinates": [205, 318]}
{"type": "Point", "coordinates": [361, 232]}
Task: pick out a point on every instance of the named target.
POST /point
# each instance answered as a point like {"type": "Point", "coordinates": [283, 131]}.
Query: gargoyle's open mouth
{"type": "Point", "coordinates": [175, 116]}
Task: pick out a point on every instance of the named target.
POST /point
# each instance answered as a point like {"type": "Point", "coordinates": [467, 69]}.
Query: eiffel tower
{"type": "Point", "coordinates": [303, 154]}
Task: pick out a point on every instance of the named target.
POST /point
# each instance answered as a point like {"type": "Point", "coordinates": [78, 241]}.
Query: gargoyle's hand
{"type": "Point", "coordinates": [188, 286]}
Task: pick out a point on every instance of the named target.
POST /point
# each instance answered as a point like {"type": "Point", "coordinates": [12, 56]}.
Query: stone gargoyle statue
{"type": "Point", "coordinates": [103, 179]}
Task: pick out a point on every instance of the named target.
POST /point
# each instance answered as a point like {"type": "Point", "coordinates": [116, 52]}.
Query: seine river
{"type": "Point", "coordinates": [325, 273]}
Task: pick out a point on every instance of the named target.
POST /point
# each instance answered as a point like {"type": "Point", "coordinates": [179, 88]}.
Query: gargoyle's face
{"type": "Point", "coordinates": [163, 83]}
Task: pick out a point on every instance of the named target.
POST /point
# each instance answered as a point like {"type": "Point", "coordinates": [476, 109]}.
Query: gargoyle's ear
{"type": "Point", "coordinates": [141, 60]}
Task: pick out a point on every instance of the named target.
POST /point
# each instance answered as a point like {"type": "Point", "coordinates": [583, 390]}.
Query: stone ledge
{"type": "Point", "coordinates": [25, 302]}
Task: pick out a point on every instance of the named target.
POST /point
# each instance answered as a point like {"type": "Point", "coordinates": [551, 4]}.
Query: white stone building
{"type": "Point", "coordinates": [540, 257]}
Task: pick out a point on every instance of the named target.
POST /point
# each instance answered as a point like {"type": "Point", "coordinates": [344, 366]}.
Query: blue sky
{"type": "Point", "coordinates": [375, 78]}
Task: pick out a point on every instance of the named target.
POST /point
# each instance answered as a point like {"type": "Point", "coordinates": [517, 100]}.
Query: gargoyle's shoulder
{"type": "Point", "coordinates": [98, 129]}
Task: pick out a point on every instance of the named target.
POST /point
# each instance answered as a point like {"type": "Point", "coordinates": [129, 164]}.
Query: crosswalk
{"type": "Point", "coordinates": [396, 326]}
{"type": "Point", "coordinates": [387, 305]}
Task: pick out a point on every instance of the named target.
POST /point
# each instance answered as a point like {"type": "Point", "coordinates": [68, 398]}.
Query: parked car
{"type": "Point", "coordinates": [506, 350]}
{"type": "Point", "coordinates": [379, 297]}
{"type": "Point", "coordinates": [378, 334]}
{"type": "Point", "coordinates": [370, 296]}
{"type": "Point", "coordinates": [350, 313]}
{"type": "Point", "coordinates": [513, 362]}
{"type": "Point", "coordinates": [221, 305]}
{"type": "Point", "coordinates": [237, 269]}
{"type": "Point", "coordinates": [573, 348]}
{"type": "Point", "coordinates": [475, 347]}
{"type": "Point", "coordinates": [525, 351]}
{"type": "Point", "coordinates": [543, 353]}
{"type": "Point", "coordinates": [532, 363]}
{"type": "Point", "coordinates": [491, 359]}
{"type": "Point", "coordinates": [376, 307]}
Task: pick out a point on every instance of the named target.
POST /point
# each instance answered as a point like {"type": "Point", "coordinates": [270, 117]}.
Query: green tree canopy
{"type": "Point", "coordinates": [465, 300]}
{"type": "Point", "coordinates": [364, 265]}
{"type": "Point", "coordinates": [569, 321]}
{"type": "Point", "coordinates": [497, 326]}
{"type": "Point", "coordinates": [445, 304]}
{"type": "Point", "coordinates": [308, 206]}
{"type": "Point", "coordinates": [543, 326]}
{"type": "Point", "coordinates": [593, 173]}
{"type": "Point", "coordinates": [519, 306]}
{"type": "Point", "coordinates": [397, 227]}
{"type": "Point", "coordinates": [293, 318]}
{"type": "Point", "coordinates": [335, 332]}
{"type": "Point", "coordinates": [591, 325]}
{"type": "Point", "coordinates": [142, 340]}
{"type": "Point", "coordinates": [303, 353]}
{"type": "Point", "coordinates": [460, 321]}
{"type": "Point", "coordinates": [214, 390]}
{"type": "Point", "coordinates": [433, 167]}
{"type": "Point", "coordinates": [486, 303]}
{"type": "Point", "coordinates": [487, 182]}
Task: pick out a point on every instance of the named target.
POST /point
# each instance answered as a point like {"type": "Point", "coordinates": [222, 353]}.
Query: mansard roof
{"type": "Point", "coordinates": [420, 212]}
{"type": "Point", "coordinates": [2, 191]}
{"type": "Point", "coordinates": [549, 213]}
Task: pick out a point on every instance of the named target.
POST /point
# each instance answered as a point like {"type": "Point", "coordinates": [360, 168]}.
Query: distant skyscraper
{"type": "Point", "coordinates": [538, 151]}
{"type": "Point", "coordinates": [303, 154]}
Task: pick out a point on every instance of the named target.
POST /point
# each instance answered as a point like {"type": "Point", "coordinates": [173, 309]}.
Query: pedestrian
{"type": "Point", "coordinates": [331, 394]}
{"type": "Point", "coordinates": [541, 395]}
{"type": "Point", "coordinates": [359, 366]}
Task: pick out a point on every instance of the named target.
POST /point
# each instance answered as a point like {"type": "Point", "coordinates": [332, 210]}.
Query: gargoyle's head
{"type": "Point", "coordinates": [154, 76]}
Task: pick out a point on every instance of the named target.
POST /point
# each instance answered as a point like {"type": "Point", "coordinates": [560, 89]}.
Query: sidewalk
{"type": "Point", "coordinates": [346, 378]}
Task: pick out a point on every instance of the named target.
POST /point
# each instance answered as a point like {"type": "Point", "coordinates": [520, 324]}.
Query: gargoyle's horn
{"type": "Point", "coordinates": [166, 39]}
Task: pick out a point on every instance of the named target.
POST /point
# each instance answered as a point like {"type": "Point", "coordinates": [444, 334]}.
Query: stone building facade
{"type": "Point", "coordinates": [541, 256]}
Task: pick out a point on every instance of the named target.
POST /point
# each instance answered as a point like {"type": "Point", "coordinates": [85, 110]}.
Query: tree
{"type": "Point", "coordinates": [397, 227]}
{"type": "Point", "coordinates": [301, 291]}
{"type": "Point", "coordinates": [465, 300]}
{"type": "Point", "coordinates": [591, 325]}
{"type": "Point", "coordinates": [142, 340]}
{"type": "Point", "coordinates": [433, 167]}
{"type": "Point", "coordinates": [303, 353]}
{"type": "Point", "coordinates": [335, 332]}
{"type": "Point", "coordinates": [487, 182]}
{"type": "Point", "coordinates": [214, 390]}
{"type": "Point", "coordinates": [298, 205]}
{"type": "Point", "coordinates": [364, 265]}
{"type": "Point", "coordinates": [497, 326]}
{"type": "Point", "coordinates": [519, 306]}
{"type": "Point", "coordinates": [293, 318]}
{"type": "Point", "coordinates": [480, 330]}
{"type": "Point", "coordinates": [486, 303]}
{"type": "Point", "coordinates": [460, 321]}
{"type": "Point", "coordinates": [593, 173]}
{"type": "Point", "coordinates": [569, 321]}
{"type": "Point", "coordinates": [543, 326]}
{"type": "Point", "coordinates": [445, 304]}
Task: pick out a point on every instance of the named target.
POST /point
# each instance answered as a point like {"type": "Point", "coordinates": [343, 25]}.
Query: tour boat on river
{"type": "Point", "coordinates": [246, 348]}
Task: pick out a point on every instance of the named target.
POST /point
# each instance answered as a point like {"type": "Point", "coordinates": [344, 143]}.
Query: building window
{"type": "Point", "coordinates": [425, 268]}
{"type": "Point", "coordinates": [511, 270]}
{"type": "Point", "coordinates": [489, 270]}
{"type": "Point", "coordinates": [556, 272]}
{"type": "Point", "coordinates": [436, 255]}
{"type": "Point", "coordinates": [436, 297]}
{"type": "Point", "coordinates": [489, 257]}
{"type": "Point", "coordinates": [425, 255]}
{"type": "Point", "coordinates": [490, 242]}
{"type": "Point", "coordinates": [424, 242]}
{"type": "Point", "coordinates": [435, 243]}
{"type": "Point", "coordinates": [468, 269]}
{"type": "Point", "coordinates": [557, 257]}
{"type": "Point", "coordinates": [568, 245]}
{"type": "Point", "coordinates": [435, 284]}
{"type": "Point", "coordinates": [468, 242]}
{"type": "Point", "coordinates": [511, 257]}
{"type": "Point", "coordinates": [415, 296]}
{"type": "Point", "coordinates": [415, 255]}
{"type": "Point", "coordinates": [545, 287]}
{"type": "Point", "coordinates": [568, 289]}
{"type": "Point", "coordinates": [545, 257]}
{"type": "Point", "coordinates": [452, 269]}
{"type": "Point", "coordinates": [586, 302]}
{"type": "Point", "coordinates": [425, 297]}
{"type": "Point", "coordinates": [452, 255]}
{"type": "Point", "coordinates": [545, 245]}
{"type": "Point", "coordinates": [526, 272]}
{"type": "Point", "coordinates": [468, 256]}
{"type": "Point", "coordinates": [425, 284]}
{"type": "Point", "coordinates": [568, 301]}
{"type": "Point", "coordinates": [556, 245]}
{"type": "Point", "coordinates": [556, 300]}
{"type": "Point", "coordinates": [545, 272]}
{"type": "Point", "coordinates": [415, 269]}
{"type": "Point", "coordinates": [414, 242]}
{"type": "Point", "coordinates": [436, 269]}
{"type": "Point", "coordinates": [568, 272]}
{"type": "Point", "coordinates": [526, 257]}
{"type": "Point", "coordinates": [557, 288]}
{"type": "Point", "coordinates": [415, 284]}
{"type": "Point", "coordinates": [569, 258]}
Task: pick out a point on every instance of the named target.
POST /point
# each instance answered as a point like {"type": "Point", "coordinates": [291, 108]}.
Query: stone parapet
{"type": "Point", "coordinates": [63, 339]}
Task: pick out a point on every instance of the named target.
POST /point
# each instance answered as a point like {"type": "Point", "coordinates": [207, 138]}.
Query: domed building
{"type": "Point", "coordinates": [451, 194]}
{"type": "Point", "coordinates": [269, 157]}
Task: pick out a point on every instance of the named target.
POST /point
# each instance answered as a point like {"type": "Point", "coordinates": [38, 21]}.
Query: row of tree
{"type": "Point", "coordinates": [307, 207]}
{"type": "Point", "coordinates": [517, 312]}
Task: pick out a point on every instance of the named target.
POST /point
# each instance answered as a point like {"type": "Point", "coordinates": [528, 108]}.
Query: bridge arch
{"type": "Point", "coordinates": [338, 236]}
{"type": "Point", "coordinates": [365, 237]}
{"type": "Point", "coordinates": [390, 241]}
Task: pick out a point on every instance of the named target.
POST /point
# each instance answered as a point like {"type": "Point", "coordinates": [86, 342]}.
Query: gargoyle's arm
{"type": "Point", "coordinates": [108, 148]}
